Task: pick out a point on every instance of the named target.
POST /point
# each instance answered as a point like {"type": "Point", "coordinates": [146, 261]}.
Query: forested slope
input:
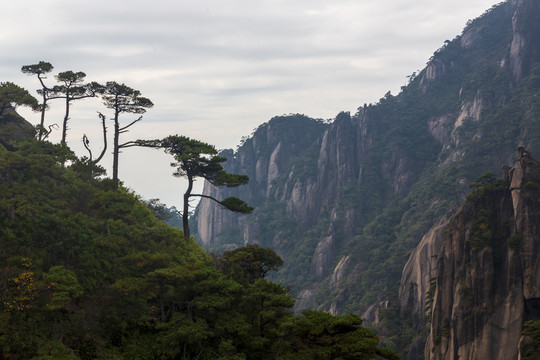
{"type": "Point", "coordinates": [88, 271]}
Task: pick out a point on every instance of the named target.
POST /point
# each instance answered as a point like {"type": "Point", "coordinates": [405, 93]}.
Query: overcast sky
{"type": "Point", "coordinates": [217, 69]}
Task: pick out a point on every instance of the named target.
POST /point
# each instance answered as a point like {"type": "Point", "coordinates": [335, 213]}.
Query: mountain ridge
{"type": "Point", "coordinates": [347, 211]}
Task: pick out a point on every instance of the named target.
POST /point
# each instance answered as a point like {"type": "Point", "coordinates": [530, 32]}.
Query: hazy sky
{"type": "Point", "coordinates": [217, 69]}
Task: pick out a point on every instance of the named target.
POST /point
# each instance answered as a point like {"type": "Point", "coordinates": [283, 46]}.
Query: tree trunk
{"type": "Point", "coordinates": [45, 94]}
{"type": "Point", "coordinates": [116, 148]}
{"type": "Point", "coordinates": [185, 213]}
{"type": "Point", "coordinates": [42, 122]}
{"type": "Point", "coordinates": [66, 118]}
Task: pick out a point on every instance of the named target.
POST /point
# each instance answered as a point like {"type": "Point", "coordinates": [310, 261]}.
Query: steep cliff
{"type": "Point", "coordinates": [266, 158]}
{"type": "Point", "coordinates": [346, 203]}
{"type": "Point", "coordinates": [487, 281]}
{"type": "Point", "coordinates": [419, 274]}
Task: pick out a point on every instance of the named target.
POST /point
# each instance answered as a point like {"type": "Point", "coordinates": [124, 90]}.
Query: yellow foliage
{"type": "Point", "coordinates": [24, 292]}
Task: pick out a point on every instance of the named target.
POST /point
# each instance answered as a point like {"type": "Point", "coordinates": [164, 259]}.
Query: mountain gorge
{"type": "Point", "coordinates": [361, 208]}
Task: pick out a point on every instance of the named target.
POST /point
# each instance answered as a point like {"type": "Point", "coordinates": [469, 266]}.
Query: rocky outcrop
{"type": "Point", "coordinates": [524, 50]}
{"type": "Point", "coordinates": [418, 278]}
{"type": "Point", "coordinates": [264, 158]}
{"type": "Point", "coordinates": [487, 281]}
{"type": "Point", "coordinates": [306, 197]}
{"type": "Point", "coordinates": [14, 127]}
{"type": "Point", "coordinates": [434, 70]}
{"type": "Point", "coordinates": [323, 256]}
{"type": "Point", "coordinates": [471, 110]}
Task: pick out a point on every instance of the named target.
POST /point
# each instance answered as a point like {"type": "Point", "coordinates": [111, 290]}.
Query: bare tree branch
{"type": "Point", "coordinates": [207, 197]}
{"type": "Point", "coordinates": [102, 117]}
{"type": "Point", "coordinates": [47, 133]}
{"type": "Point", "coordinates": [123, 129]}
{"type": "Point", "coordinates": [86, 142]}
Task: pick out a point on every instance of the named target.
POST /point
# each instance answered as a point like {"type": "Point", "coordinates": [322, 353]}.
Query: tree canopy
{"type": "Point", "coordinates": [249, 263]}
{"type": "Point", "coordinates": [71, 89]}
{"type": "Point", "coordinates": [40, 70]}
{"type": "Point", "coordinates": [122, 99]}
{"type": "Point", "coordinates": [12, 95]}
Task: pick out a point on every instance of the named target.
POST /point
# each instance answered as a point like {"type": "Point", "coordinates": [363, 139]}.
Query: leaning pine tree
{"type": "Point", "coordinates": [196, 159]}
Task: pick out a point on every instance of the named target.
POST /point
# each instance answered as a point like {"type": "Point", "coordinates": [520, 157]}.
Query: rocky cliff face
{"type": "Point", "coordinates": [419, 274]}
{"type": "Point", "coordinates": [526, 30]}
{"type": "Point", "coordinates": [265, 158]}
{"type": "Point", "coordinates": [345, 203]}
{"type": "Point", "coordinates": [487, 275]}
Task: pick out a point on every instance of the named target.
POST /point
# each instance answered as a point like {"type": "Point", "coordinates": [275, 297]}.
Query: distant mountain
{"type": "Point", "coordinates": [346, 203]}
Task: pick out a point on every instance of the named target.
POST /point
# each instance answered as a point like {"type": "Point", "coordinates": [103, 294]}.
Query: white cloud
{"type": "Point", "coordinates": [215, 70]}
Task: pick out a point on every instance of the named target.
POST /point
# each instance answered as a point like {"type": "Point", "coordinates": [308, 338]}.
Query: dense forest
{"type": "Point", "coordinates": [89, 271]}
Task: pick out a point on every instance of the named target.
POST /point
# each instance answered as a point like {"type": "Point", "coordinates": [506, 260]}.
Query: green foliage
{"type": "Point", "coordinates": [249, 263]}
{"type": "Point", "coordinates": [482, 230]}
{"type": "Point", "coordinates": [196, 159]}
{"type": "Point", "coordinates": [41, 68]}
{"type": "Point", "coordinates": [430, 294]}
{"type": "Point", "coordinates": [123, 99]}
{"type": "Point", "coordinates": [64, 285]}
{"type": "Point", "coordinates": [486, 230]}
{"type": "Point", "coordinates": [514, 242]}
{"type": "Point", "coordinates": [89, 272]}
{"type": "Point", "coordinates": [414, 163]}
{"type": "Point", "coordinates": [55, 351]}
{"type": "Point", "coordinates": [486, 185]}
{"type": "Point", "coordinates": [320, 336]}
{"type": "Point", "coordinates": [532, 187]}
{"type": "Point", "coordinates": [235, 204]}
{"type": "Point", "coordinates": [531, 348]}
{"type": "Point", "coordinates": [12, 95]}
{"type": "Point", "coordinates": [71, 89]}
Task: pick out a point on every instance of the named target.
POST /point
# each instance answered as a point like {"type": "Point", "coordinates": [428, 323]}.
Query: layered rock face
{"type": "Point", "coordinates": [488, 273]}
{"type": "Point", "coordinates": [265, 158]}
{"type": "Point", "coordinates": [526, 33]}
{"type": "Point", "coordinates": [419, 274]}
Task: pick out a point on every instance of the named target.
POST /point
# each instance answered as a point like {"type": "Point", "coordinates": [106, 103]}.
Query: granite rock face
{"type": "Point", "coordinates": [488, 273]}
{"type": "Point", "coordinates": [265, 157]}
{"type": "Point", "coordinates": [419, 274]}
